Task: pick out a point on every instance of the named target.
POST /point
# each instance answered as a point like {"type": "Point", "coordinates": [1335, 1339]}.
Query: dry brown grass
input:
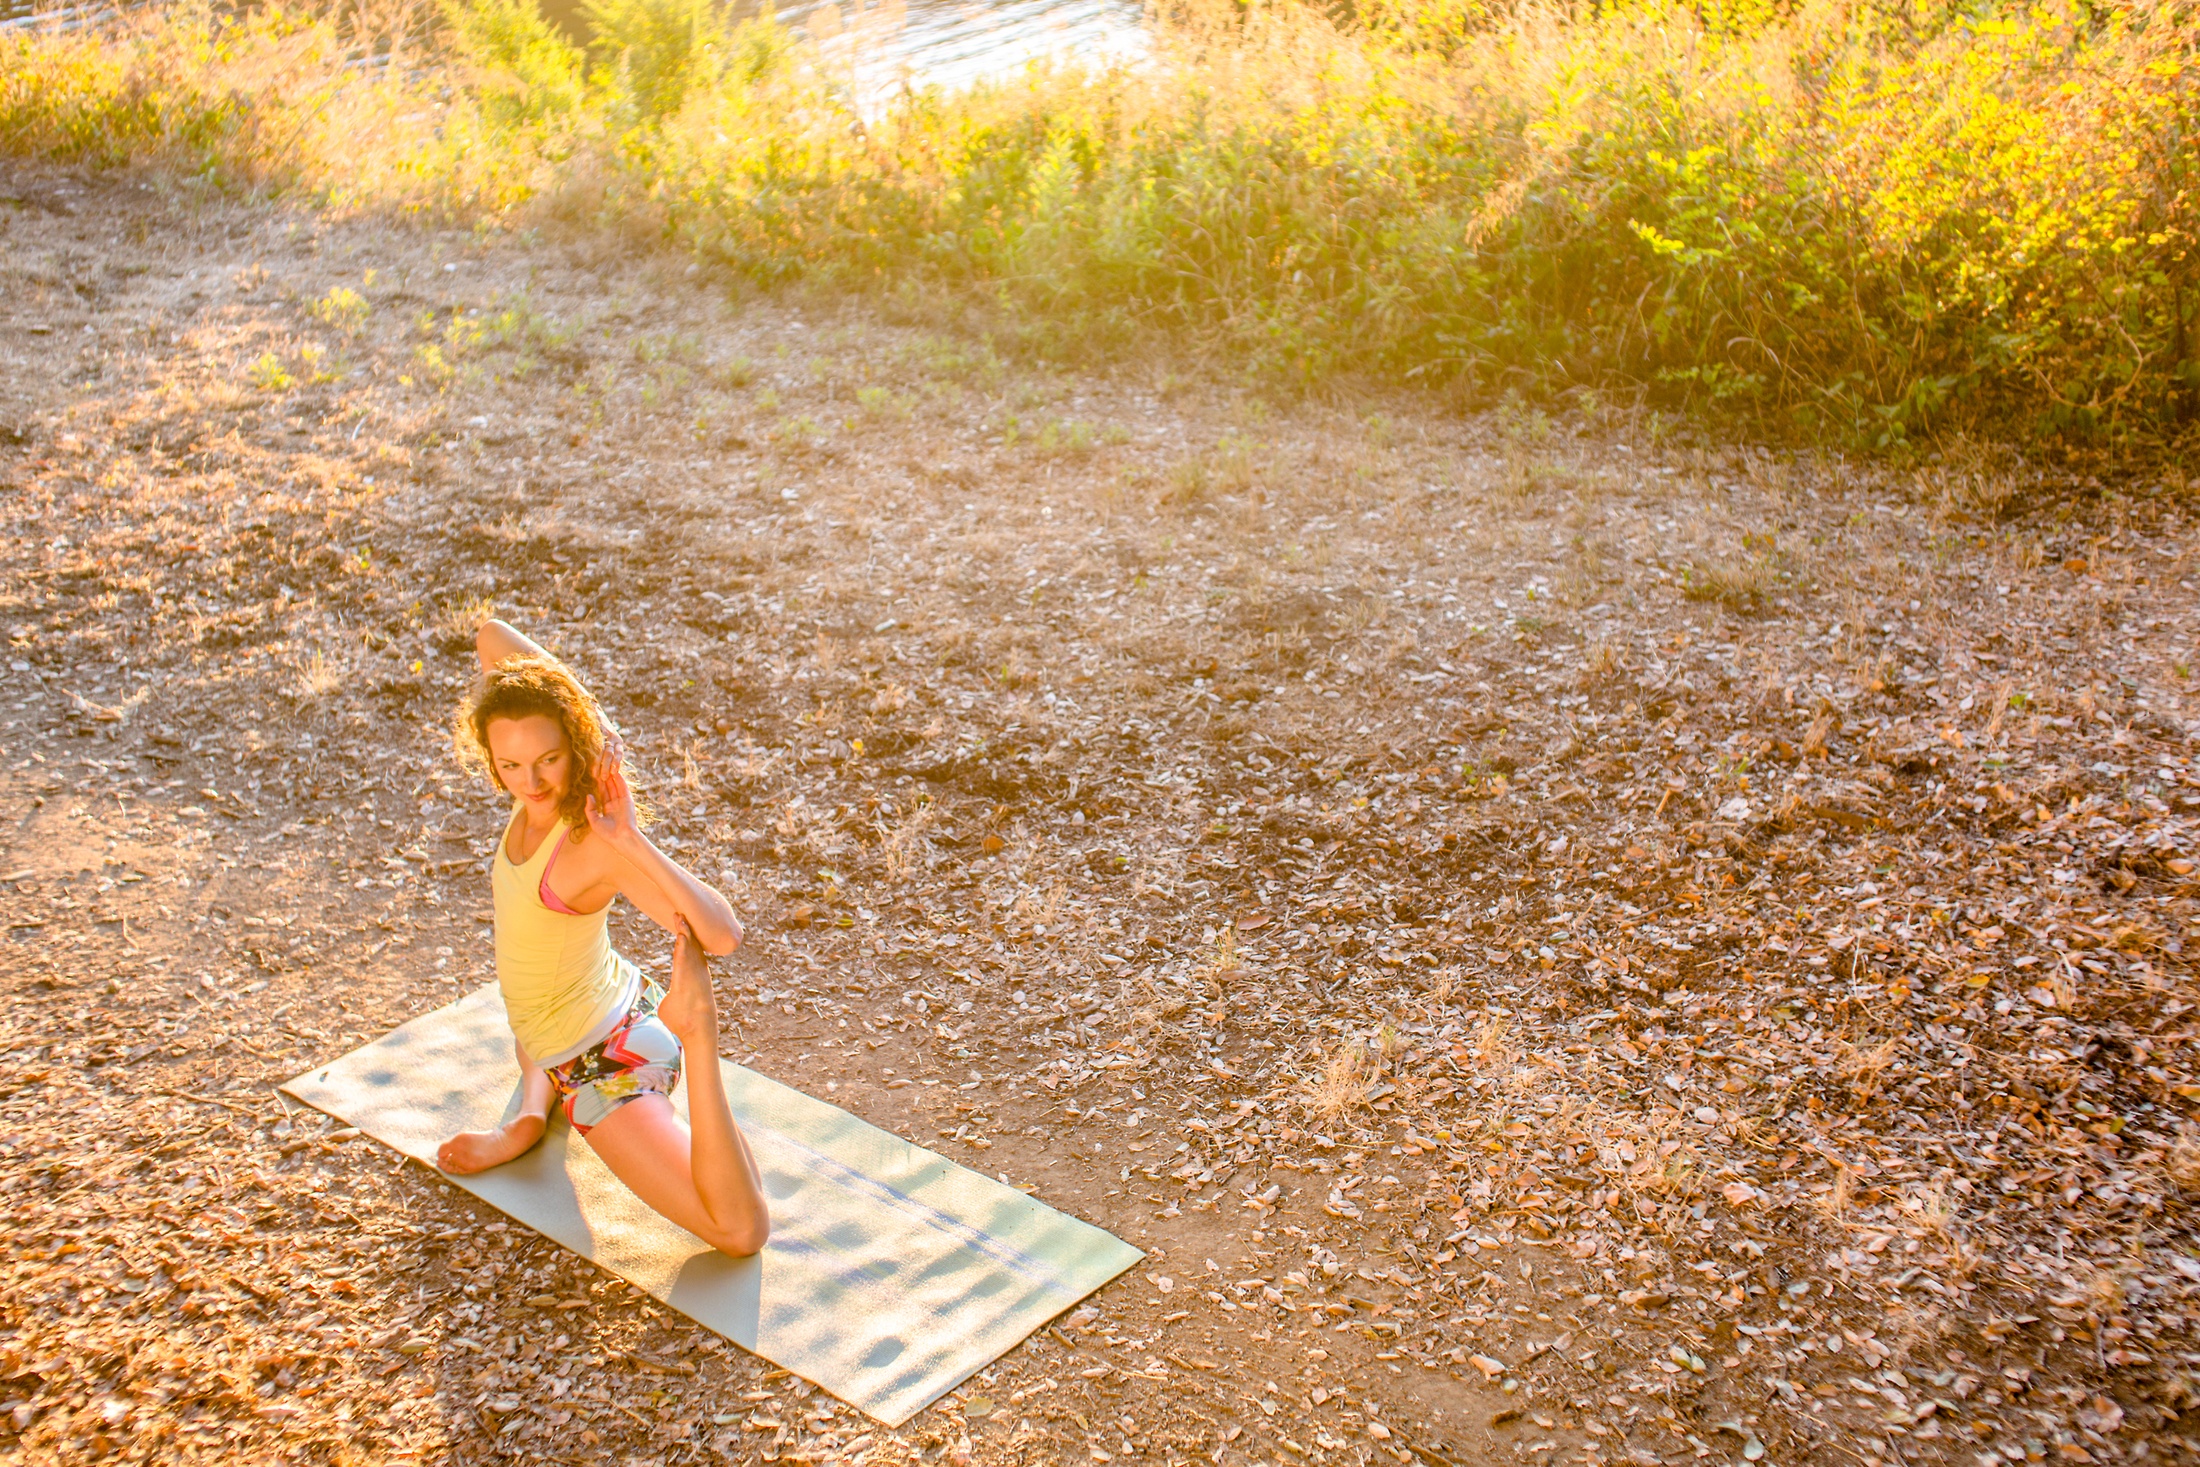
{"type": "Point", "coordinates": [460, 619]}
{"type": "Point", "coordinates": [1814, 738]}
{"type": "Point", "coordinates": [1737, 583]}
{"type": "Point", "coordinates": [1342, 1086]}
{"type": "Point", "coordinates": [2183, 1165]}
{"type": "Point", "coordinates": [318, 676]}
{"type": "Point", "coordinates": [1864, 1067]}
{"type": "Point", "coordinates": [901, 844]}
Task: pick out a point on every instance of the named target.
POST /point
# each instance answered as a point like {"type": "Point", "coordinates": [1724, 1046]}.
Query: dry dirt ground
{"type": "Point", "coordinates": [1562, 943]}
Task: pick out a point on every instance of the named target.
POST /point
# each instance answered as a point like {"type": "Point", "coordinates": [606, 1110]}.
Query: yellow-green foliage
{"type": "Point", "coordinates": [1858, 217]}
{"type": "Point", "coordinates": [343, 309]}
{"type": "Point", "coordinates": [521, 70]}
{"type": "Point", "coordinates": [269, 375]}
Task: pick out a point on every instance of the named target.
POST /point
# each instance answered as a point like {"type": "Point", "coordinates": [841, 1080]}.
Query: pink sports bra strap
{"type": "Point", "coordinates": [550, 898]}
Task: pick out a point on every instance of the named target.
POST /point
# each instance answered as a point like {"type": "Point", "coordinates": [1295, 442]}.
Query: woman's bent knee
{"type": "Point", "coordinates": [741, 1241]}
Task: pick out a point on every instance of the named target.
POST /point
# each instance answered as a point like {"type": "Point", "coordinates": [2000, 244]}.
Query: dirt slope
{"type": "Point", "coordinates": [1558, 941]}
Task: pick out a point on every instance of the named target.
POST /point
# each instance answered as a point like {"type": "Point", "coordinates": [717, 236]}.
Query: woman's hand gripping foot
{"type": "Point", "coordinates": [690, 1007]}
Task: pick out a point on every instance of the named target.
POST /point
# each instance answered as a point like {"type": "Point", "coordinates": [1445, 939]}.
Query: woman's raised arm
{"type": "Point", "coordinates": [665, 891]}
{"type": "Point", "coordinates": [495, 640]}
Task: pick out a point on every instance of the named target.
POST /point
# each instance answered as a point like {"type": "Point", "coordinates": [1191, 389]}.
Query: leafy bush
{"type": "Point", "coordinates": [522, 70]}
{"type": "Point", "coordinates": [1861, 219]}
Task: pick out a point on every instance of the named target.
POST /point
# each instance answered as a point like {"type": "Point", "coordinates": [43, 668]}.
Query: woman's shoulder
{"type": "Point", "coordinates": [581, 845]}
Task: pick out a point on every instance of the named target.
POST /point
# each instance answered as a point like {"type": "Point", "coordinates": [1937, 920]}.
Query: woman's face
{"type": "Point", "coordinates": [531, 758]}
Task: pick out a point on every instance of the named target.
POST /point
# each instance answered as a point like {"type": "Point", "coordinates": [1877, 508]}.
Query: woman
{"type": "Point", "coordinates": [587, 1026]}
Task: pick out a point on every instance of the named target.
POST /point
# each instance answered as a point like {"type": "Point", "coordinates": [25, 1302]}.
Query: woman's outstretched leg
{"type": "Point", "coordinates": [704, 1180]}
{"type": "Point", "coordinates": [477, 1151]}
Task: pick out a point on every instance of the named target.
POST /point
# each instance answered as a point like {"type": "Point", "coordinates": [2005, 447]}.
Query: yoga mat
{"type": "Point", "coordinates": [892, 1273]}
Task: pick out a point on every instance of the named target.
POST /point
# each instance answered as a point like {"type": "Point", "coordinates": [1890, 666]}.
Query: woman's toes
{"type": "Point", "coordinates": [470, 1152]}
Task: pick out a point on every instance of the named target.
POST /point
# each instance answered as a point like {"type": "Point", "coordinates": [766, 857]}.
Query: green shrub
{"type": "Point", "coordinates": [658, 53]}
{"type": "Point", "coordinates": [1855, 219]}
{"type": "Point", "coordinates": [343, 309]}
{"type": "Point", "coordinates": [269, 375]}
{"type": "Point", "coordinates": [522, 71]}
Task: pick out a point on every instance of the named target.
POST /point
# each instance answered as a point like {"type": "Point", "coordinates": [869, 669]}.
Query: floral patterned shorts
{"type": "Point", "coordinates": [639, 1057]}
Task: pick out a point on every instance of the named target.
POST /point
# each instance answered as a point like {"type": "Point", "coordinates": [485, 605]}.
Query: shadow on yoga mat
{"type": "Point", "coordinates": [892, 1273]}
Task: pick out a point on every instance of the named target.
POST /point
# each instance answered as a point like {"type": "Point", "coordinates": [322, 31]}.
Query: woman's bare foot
{"type": "Point", "coordinates": [690, 1007]}
{"type": "Point", "coordinates": [477, 1151]}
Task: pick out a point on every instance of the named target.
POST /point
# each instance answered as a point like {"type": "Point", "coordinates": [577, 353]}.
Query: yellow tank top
{"type": "Point", "coordinates": [564, 987]}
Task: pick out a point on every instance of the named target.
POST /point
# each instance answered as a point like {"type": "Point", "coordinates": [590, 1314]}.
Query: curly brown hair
{"type": "Point", "coordinates": [522, 687]}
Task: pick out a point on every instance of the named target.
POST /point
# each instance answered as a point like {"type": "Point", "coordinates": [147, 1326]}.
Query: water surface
{"type": "Point", "coordinates": [953, 43]}
{"type": "Point", "coordinates": [885, 43]}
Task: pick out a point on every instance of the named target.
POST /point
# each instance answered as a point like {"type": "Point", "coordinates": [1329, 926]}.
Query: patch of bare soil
{"type": "Point", "coordinates": [1557, 941]}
